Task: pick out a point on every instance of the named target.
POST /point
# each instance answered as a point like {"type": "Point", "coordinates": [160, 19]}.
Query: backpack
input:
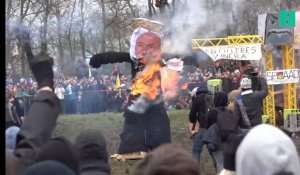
{"type": "Point", "coordinates": [227, 123]}
{"type": "Point", "coordinates": [209, 103]}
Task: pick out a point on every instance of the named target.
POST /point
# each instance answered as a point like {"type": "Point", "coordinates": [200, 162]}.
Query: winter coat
{"type": "Point", "coordinates": [253, 102]}
{"type": "Point", "coordinates": [35, 132]}
{"type": "Point", "coordinates": [197, 112]}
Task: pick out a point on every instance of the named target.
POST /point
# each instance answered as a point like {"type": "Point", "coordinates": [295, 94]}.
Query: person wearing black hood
{"type": "Point", "coordinates": [213, 137]}
{"type": "Point", "coordinates": [198, 113]}
{"type": "Point", "coordinates": [93, 156]}
{"type": "Point", "coordinates": [220, 103]}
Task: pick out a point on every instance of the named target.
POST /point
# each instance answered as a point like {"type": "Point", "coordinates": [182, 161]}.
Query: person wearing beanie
{"type": "Point", "coordinates": [48, 168]}
{"type": "Point", "coordinates": [60, 150]}
{"type": "Point", "coordinates": [167, 159]}
{"type": "Point", "coordinates": [93, 155]}
{"type": "Point", "coordinates": [251, 101]}
{"type": "Point", "coordinates": [11, 137]}
{"type": "Point", "coordinates": [266, 150]}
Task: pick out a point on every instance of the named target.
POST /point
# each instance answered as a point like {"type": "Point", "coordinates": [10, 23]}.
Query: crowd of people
{"type": "Point", "coordinates": [101, 94]}
{"type": "Point", "coordinates": [87, 95]}
{"type": "Point", "coordinates": [242, 145]}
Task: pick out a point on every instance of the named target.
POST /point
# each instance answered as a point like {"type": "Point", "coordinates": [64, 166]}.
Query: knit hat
{"type": "Point", "coordinates": [246, 83]}
{"type": "Point", "coordinates": [60, 150]}
{"type": "Point", "coordinates": [267, 150]}
{"type": "Point", "coordinates": [168, 159]}
{"type": "Point", "coordinates": [91, 145]}
{"type": "Point", "coordinates": [10, 137]}
{"type": "Point", "coordinates": [48, 168]}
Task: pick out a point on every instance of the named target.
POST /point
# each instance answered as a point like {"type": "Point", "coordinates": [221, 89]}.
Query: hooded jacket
{"type": "Point", "coordinates": [212, 137]}
{"type": "Point", "coordinates": [197, 111]}
{"type": "Point", "coordinates": [220, 102]}
{"type": "Point", "coordinates": [266, 150]}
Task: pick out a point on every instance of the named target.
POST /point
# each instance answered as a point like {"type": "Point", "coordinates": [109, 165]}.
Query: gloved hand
{"type": "Point", "coordinates": [41, 67]}
{"type": "Point", "coordinates": [94, 61]}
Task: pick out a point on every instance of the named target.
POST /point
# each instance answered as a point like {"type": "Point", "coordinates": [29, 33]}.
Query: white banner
{"type": "Point", "coordinates": [238, 52]}
{"type": "Point", "coordinates": [282, 76]}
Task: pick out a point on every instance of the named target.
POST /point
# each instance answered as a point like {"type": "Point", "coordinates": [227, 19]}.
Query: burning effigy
{"type": "Point", "coordinates": [154, 80]}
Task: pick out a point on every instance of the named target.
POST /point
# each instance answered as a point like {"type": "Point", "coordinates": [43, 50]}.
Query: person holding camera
{"type": "Point", "coordinates": [248, 104]}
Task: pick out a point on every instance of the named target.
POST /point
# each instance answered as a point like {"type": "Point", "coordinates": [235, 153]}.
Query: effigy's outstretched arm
{"type": "Point", "coordinates": [109, 58]}
{"type": "Point", "coordinates": [190, 60]}
{"type": "Point", "coordinates": [118, 57]}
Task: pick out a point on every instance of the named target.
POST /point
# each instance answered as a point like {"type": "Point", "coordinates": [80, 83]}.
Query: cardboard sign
{"type": "Point", "coordinates": [269, 27]}
{"type": "Point", "coordinates": [282, 76]}
{"type": "Point", "coordinates": [238, 52]}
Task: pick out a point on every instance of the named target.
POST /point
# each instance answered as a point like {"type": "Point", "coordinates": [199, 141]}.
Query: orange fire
{"type": "Point", "coordinates": [184, 86]}
{"type": "Point", "coordinates": [170, 79]}
{"type": "Point", "coordinates": [147, 82]}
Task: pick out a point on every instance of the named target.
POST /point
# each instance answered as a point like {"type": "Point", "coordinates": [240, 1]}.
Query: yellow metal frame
{"type": "Point", "coordinates": [230, 40]}
{"type": "Point", "coordinates": [290, 96]}
{"type": "Point", "coordinates": [290, 90]}
{"type": "Point", "coordinates": [269, 101]}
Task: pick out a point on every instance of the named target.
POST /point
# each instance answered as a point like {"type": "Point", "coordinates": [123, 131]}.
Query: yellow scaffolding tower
{"type": "Point", "coordinates": [269, 102]}
{"type": "Point", "coordinates": [290, 90]}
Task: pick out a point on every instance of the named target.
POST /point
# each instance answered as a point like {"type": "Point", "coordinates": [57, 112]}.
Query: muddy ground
{"type": "Point", "coordinates": [111, 125]}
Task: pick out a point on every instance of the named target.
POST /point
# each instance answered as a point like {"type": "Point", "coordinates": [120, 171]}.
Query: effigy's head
{"type": "Point", "coordinates": [146, 41]}
{"type": "Point", "coordinates": [148, 48]}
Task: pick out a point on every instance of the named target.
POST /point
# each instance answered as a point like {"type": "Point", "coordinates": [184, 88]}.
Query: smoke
{"type": "Point", "coordinates": [142, 104]}
{"type": "Point", "coordinates": [17, 31]}
{"type": "Point", "coordinates": [195, 19]}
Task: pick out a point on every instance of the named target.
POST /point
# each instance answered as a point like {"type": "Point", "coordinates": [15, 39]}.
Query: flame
{"type": "Point", "coordinates": [184, 86]}
{"type": "Point", "coordinates": [147, 82]}
{"type": "Point", "coordinates": [170, 79]}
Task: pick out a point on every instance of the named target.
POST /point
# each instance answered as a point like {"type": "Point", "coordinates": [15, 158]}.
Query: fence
{"type": "Point", "coordinates": [78, 98]}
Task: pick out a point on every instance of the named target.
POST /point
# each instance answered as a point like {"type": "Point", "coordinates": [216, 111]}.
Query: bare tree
{"type": "Point", "coordinates": [69, 32]}
{"type": "Point", "coordinates": [8, 40]}
{"type": "Point", "coordinates": [103, 42]}
{"type": "Point", "coordinates": [24, 7]}
{"type": "Point", "coordinates": [151, 8]}
{"type": "Point", "coordinates": [81, 32]}
{"type": "Point", "coordinates": [132, 9]}
{"type": "Point", "coordinates": [59, 11]}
